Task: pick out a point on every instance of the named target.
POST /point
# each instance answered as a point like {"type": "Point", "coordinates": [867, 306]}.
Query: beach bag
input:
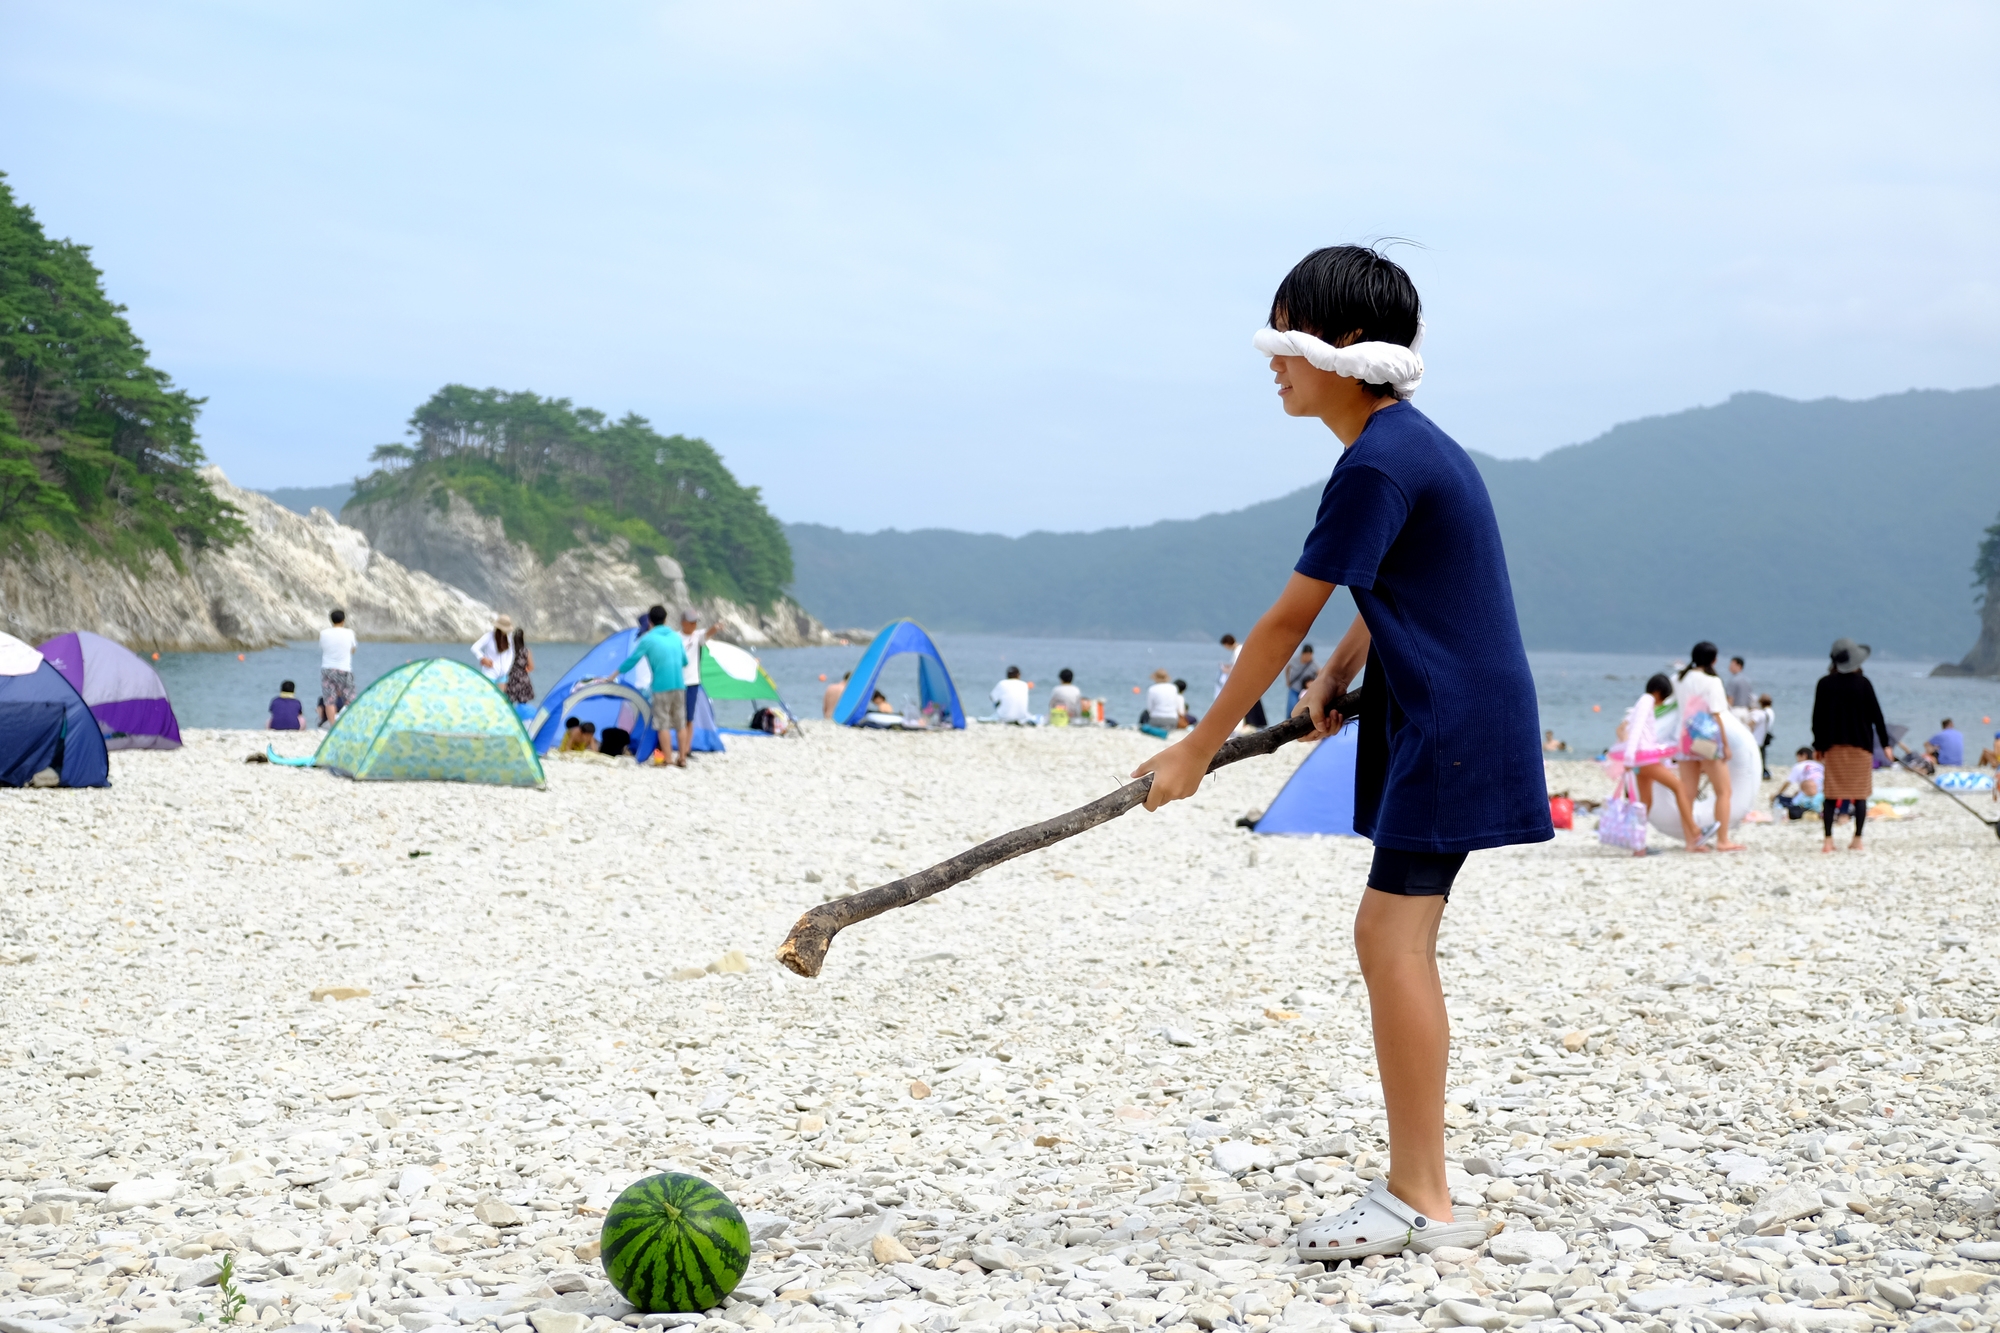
{"type": "Point", "coordinates": [1702, 734]}
{"type": "Point", "coordinates": [1622, 822]}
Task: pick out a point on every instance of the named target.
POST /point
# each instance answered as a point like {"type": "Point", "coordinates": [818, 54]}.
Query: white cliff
{"type": "Point", "coordinates": [583, 594]}
{"type": "Point", "coordinates": [274, 586]}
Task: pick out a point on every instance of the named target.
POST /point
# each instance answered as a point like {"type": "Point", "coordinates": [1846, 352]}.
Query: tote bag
{"type": "Point", "coordinates": [1623, 821]}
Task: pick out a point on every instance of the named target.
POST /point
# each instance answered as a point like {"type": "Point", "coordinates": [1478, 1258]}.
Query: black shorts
{"type": "Point", "coordinates": [1414, 874]}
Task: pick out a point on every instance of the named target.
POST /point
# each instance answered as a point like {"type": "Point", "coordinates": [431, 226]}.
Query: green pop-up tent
{"type": "Point", "coordinates": [727, 672]}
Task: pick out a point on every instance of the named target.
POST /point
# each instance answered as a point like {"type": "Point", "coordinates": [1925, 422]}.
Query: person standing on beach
{"type": "Point", "coordinates": [1698, 692]}
{"type": "Point", "coordinates": [691, 641]}
{"type": "Point", "coordinates": [495, 650]}
{"type": "Point", "coordinates": [520, 686]}
{"type": "Point", "coordinates": [666, 657]}
{"type": "Point", "coordinates": [336, 667]}
{"type": "Point", "coordinates": [1737, 687]}
{"type": "Point", "coordinates": [1299, 673]}
{"type": "Point", "coordinates": [1846, 721]}
{"type": "Point", "coordinates": [831, 699]}
{"type": "Point", "coordinates": [1255, 717]}
{"type": "Point", "coordinates": [1449, 759]}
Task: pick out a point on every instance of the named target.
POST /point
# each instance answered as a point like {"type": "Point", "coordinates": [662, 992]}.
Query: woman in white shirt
{"type": "Point", "coordinates": [1699, 690]}
{"type": "Point", "coordinates": [1163, 703]}
{"type": "Point", "coordinates": [495, 650]}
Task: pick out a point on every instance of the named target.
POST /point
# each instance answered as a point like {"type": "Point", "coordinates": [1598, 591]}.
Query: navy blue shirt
{"type": "Point", "coordinates": [285, 714]}
{"type": "Point", "coordinates": [1450, 747]}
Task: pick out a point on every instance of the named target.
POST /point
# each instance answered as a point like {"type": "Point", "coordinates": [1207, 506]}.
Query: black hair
{"type": "Point", "coordinates": [520, 641]}
{"type": "Point", "coordinates": [657, 614]}
{"type": "Point", "coordinates": [1661, 686]}
{"type": "Point", "coordinates": [1739, 661]}
{"type": "Point", "coordinates": [1945, 723]}
{"type": "Point", "coordinates": [1803, 752]}
{"type": "Point", "coordinates": [1013, 673]}
{"type": "Point", "coordinates": [588, 728]}
{"type": "Point", "coordinates": [1349, 289]}
{"type": "Point", "coordinates": [1066, 676]}
{"type": "Point", "coordinates": [571, 724]}
{"type": "Point", "coordinates": [1229, 641]}
{"type": "Point", "coordinates": [1702, 657]}
{"type": "Point", "coordinates": [1305, 647]}
{"type": "Point", "coordinates": [338, 615]}
{"type": "Point", "coordinates": [1181, 685]}
{"type": "Point", "coordinates": [286, 687]}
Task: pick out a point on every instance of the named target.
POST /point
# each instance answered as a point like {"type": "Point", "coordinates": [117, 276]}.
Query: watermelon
{"type": "Point", "coordinates": [674, 1244]}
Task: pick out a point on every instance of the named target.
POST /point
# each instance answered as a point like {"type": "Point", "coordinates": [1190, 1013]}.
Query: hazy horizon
{"type": "Point", "coordinates": [996, 268]}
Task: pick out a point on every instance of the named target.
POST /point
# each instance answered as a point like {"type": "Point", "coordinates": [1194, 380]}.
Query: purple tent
{"type": "Point", "coordinates": [122, 689]}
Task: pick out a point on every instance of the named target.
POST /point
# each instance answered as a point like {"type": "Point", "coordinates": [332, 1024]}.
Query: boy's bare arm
{"type": "Point", "coordinates": [1178, 769]}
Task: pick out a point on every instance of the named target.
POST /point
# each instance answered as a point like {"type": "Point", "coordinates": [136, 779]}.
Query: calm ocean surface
{"type": "Point", "coordinates": [218, 690]}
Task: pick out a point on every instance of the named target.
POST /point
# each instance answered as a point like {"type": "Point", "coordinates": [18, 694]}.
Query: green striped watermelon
{"type": "Point", "coordinates": [674, 1244]}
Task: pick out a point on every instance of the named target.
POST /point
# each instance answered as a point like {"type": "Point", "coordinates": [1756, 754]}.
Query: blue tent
{"type": "Point", "coordinates": [44, 723]}
{"type": "Point", "coordinates": [619, 703]}
{"type": "Point", "coordinates": [1320, 796]}
{"type": "Point", "coordinates": [933, 681]}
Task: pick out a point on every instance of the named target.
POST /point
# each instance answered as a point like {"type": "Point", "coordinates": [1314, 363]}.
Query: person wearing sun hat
{"type": "Point", "coordinates": [495, 650]}
{"type": "Point", "coordinates": [1846, 722]}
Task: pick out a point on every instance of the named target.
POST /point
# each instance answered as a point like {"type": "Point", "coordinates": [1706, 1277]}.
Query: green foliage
{"type": "Point", "coordinates": [233, 1300]}
{"type": "Point", "coordinates": [556, 474]}
{"type": "Point", "coordinates": [1986, 567]}
{"type": "Point", "coordinates": [96, 446]}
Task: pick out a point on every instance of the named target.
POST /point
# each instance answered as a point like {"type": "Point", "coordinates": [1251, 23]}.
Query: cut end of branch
{"type": "Point", "coordinates": [804, 950]}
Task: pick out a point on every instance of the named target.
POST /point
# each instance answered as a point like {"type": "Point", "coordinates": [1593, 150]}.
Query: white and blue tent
{"type": "Point", "coordinates": [616, 703]}
{"type": "Point", "coordinates": [934, 685]}
{"type": "Point", "coordinates": [1319, 797]}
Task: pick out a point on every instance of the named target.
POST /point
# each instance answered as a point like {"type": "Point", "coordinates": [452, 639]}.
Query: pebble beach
{"type": "Point", "coordinates": [390, 1050]}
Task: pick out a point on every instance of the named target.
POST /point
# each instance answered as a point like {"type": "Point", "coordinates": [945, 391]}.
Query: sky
{"type": "Point", "coordinates": [996, 266]}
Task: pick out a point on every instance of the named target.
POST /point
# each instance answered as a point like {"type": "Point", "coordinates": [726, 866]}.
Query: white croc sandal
{"type": "Point", "coordinates": [1380, 1223]}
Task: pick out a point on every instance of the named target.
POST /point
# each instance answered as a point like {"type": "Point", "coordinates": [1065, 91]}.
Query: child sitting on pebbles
{"type": "Point", "coordinates": [1450, 755]}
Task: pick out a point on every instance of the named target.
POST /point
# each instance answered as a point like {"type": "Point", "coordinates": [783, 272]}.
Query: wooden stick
{"type": "Point", "coordinates": [804, 950]}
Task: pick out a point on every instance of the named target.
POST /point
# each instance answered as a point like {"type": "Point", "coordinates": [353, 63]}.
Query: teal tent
{"type": "Point", "coordinates": [431, 720]}
{"type": "Point", "coordinates": [933, 680]}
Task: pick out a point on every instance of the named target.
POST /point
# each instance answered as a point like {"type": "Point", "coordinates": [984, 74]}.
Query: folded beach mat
{"type": "Point", "coordinates": [1965, 781]}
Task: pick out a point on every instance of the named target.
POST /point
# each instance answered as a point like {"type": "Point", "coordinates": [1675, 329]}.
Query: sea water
{"type": "Point", "coordinates": [1582, 696]}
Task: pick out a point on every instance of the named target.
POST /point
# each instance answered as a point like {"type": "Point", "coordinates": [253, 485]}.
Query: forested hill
{"type": "Point", "coordinates": [1770, 525]}
{"type": "Point", "coordinates": [97, 446]}
{"type": "Point", "coordinates": [556, 474]}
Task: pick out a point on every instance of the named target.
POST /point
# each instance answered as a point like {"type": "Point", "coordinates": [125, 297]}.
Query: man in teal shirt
{"type": "Point", "coordinates": [665, 655]}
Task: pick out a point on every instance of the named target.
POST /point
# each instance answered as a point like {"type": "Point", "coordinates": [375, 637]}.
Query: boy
{"type": "Point", "coordinates": [1449, 751]}
{"type": "Point", "coordinates": [287, 713]}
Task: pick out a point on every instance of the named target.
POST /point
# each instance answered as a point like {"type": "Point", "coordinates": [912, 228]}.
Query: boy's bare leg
{"type": "Point", "coordinates": [1395, 938]}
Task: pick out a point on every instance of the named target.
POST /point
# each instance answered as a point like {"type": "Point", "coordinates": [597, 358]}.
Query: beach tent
{"type": "Point", "coordinates": [727, 672]}
{"type": "Point", "coordinates": [933, 680]}
{"type": "Point", "coordinates": [433, 720]}
{"type": "Point", "coordinates": [617, 703]}
{"type": "Point", "coordinates": [124, 692]}
{"type": "Point", "coordinates": [1319, 798]}
{"type": "Point", "coordinates": [45, 724]}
